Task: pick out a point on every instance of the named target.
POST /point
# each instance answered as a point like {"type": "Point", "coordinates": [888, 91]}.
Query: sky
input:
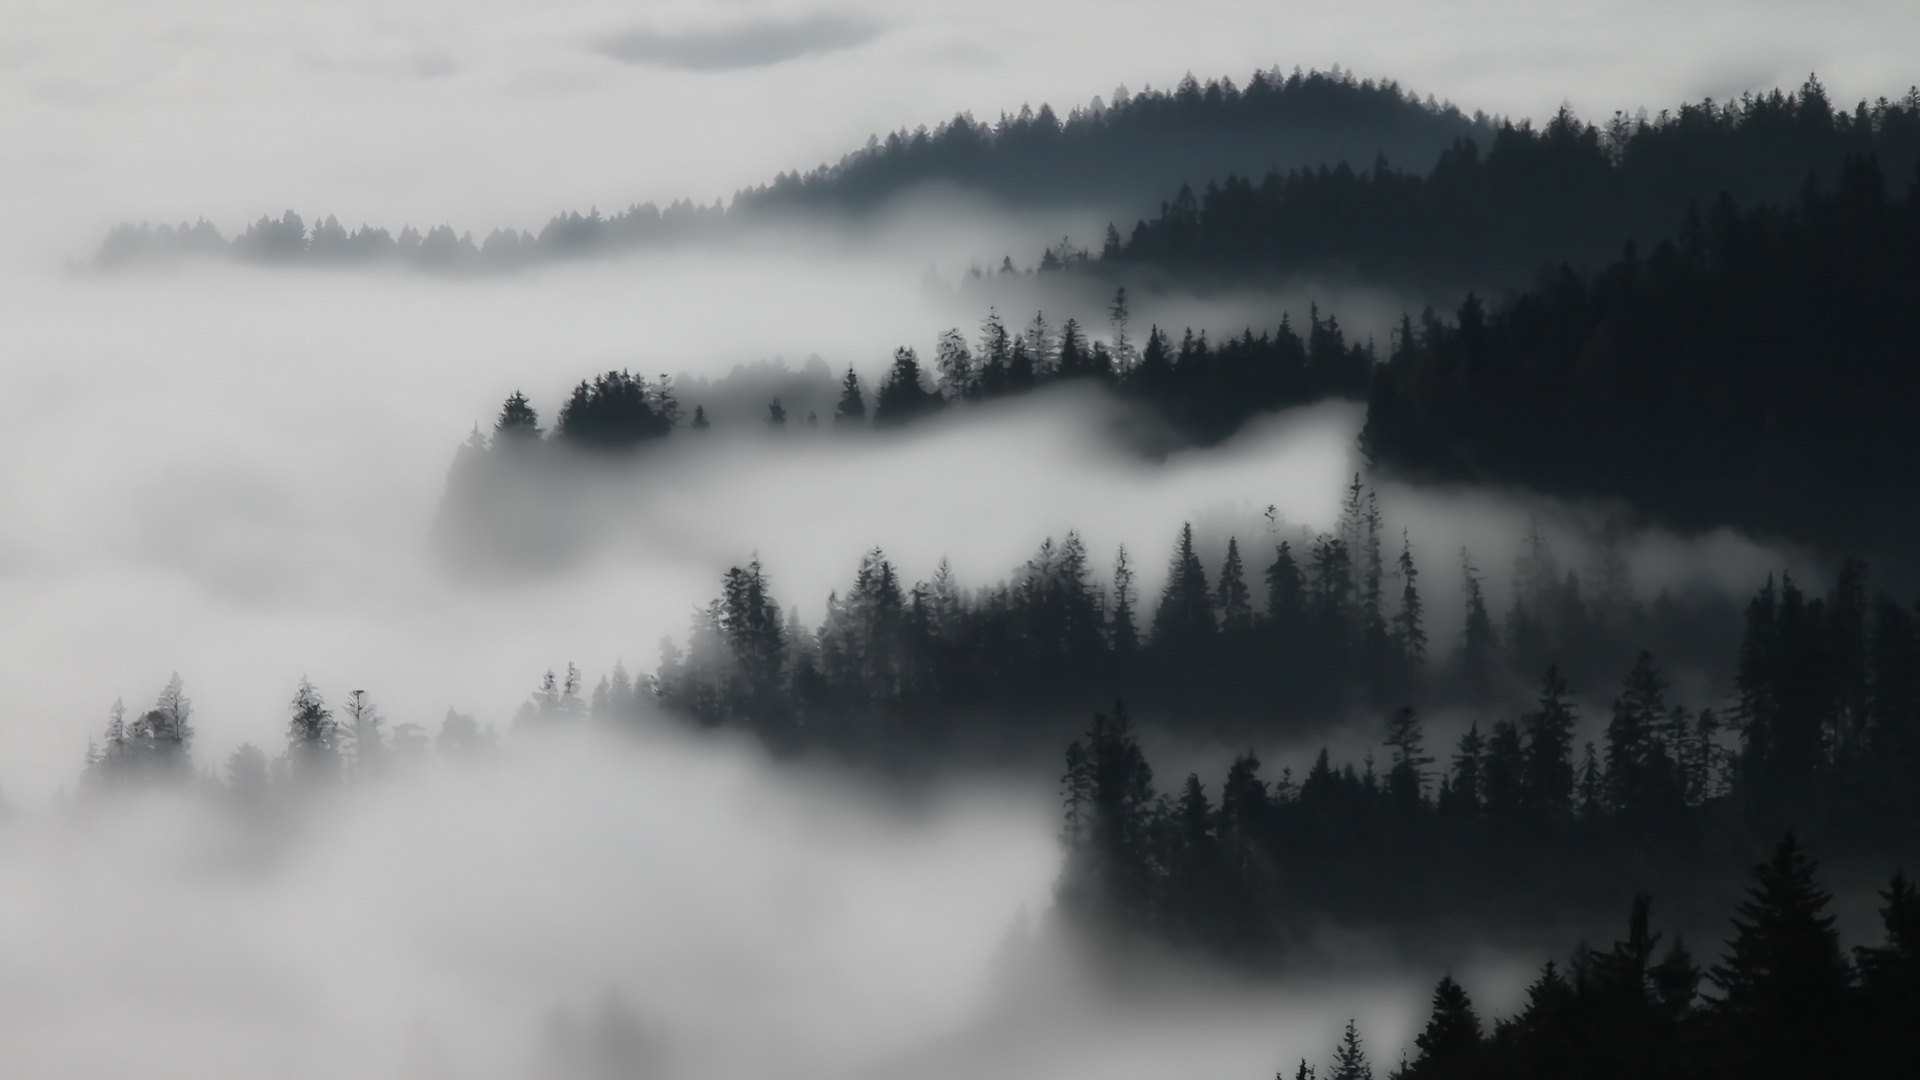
{"type": "Point", "coordinates": [502, 113]}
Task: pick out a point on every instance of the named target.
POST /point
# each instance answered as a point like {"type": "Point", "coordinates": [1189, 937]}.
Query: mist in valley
{"type": "Point", "coordinates": [247, 478]}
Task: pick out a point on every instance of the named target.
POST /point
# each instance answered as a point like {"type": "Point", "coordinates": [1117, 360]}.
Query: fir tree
{"type": "Point", "coordinates": [852, 409]}
{"type": "Point", "coordinates": [1233, 600]}
{"type": "Point", "coordinates": [1478, 642]}
{"type": "Point", "coordinates": [1408, 632]}
{"type": "Point", "coordinates": [1184, 619]}
{"type": "Point", "coordinates": [1549, 766]}
{"type": "Point", "coordinates": [1122, 631]}
{"type": "Point", "coordinates": [1783, 983]}
{"type": "Point", "coordinates": [1451, 1040]}
{"type": "Point", "coordinates": [1349, 1059]}
{"type": "Point", "coordinates": [313, 737]}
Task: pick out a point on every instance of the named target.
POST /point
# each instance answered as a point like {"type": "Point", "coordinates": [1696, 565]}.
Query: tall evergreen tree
{"type": "Point", "coordinates": [1233, 600]}
{"type": "Point", "coordinates": [852, 409]}
{"type": "Point", "coordinates": [1549, 733]}
{"type": "Point", "coordinates": [1184, 620]}
{"type": "Point", "coordinates": [1783, 983]}
{"type": "Point", "coordinates": [313, 737]}
{"type": "Point", "coordinates": [1122, 632]}
{"type": "Point", "coordinates": [1408, 632]}
{"type": "Point", "coordinates": [1449, 1046]}
{"type": "Point", "coordinates": [901, 397]}
{"type": "Point", "coordinates": [1349, 1058]}
{"type": "Point", "coordinates": [1478, 642]}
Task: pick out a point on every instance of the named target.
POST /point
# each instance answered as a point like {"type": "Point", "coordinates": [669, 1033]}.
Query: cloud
{"type": "Point", "coordinates": [759, 43]}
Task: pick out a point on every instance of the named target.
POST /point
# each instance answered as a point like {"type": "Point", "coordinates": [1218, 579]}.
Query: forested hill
{"type": "Point", "coordinates": [1121, 157]}
{"type": "Point", "coordinates": [1492, 212]}
{"type": "Point", "coordinates": [1761, 372]}
{"type": "Point", "coordinates": [1128, 154]}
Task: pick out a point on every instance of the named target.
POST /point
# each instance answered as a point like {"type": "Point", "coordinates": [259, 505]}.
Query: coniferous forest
{"type": "Point", "coordinates": [1591, 701]}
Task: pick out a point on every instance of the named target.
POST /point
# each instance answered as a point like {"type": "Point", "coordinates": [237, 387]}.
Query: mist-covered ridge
{"type": "Point", "coordinates": [1120, 158]}
{"type": "Point", "coordinates": [1499, 206]}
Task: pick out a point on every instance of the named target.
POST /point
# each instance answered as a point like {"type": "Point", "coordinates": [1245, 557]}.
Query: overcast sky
{"type": "Point", "coordinates": [492, 112]}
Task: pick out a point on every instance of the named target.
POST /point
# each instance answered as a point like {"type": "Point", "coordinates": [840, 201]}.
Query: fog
{"type": "Point", "coordinates": [234, 475]}
{"type": "Point", "coordinates": [504, 113]}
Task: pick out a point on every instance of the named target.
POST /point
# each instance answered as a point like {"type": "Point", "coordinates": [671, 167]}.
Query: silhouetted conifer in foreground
{"type": "Point", "coordinates": [1635, 1011]}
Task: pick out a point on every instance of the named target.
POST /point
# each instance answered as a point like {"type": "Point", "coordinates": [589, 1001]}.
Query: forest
{"type": "Point", "coordinates": [1696, 325]}
{"type": "Point", "coordinates": [1496, 209]}
{"type": "Point", "coordinates": [1759, 371]}
{"type": "Point", "coordinates": [1124, 155]}
{"type": "Point", "coordinates": [1785, 999]}
{"type": "Point", "coordinates": [1756, 372]}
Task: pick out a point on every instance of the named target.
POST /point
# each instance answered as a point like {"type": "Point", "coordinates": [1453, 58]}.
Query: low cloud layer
{"type": "Point", "coordinates": [756, 43]}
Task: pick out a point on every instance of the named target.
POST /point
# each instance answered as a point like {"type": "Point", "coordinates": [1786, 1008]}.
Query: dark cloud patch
{"type": "Point", "coordinates": [752, 44]}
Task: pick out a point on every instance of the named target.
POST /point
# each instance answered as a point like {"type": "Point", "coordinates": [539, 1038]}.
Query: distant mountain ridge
{"type": "Point", "coordinates": [1121, 157]}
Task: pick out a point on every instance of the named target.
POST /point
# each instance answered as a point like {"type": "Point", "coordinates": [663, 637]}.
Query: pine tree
{"type": "Point", "coordinates": [1233, 600]}
{"type": "Point", "coordinates": [1122, 631]}
{"type": "Point", "coordinates": [1478, 642]}
{"type": "Point", "coordinates": [901, 397]}
{"type": "Point", "coordinates": [313, 737]}
{"type": "Point", "coordinates": [1349, 1059]}
{"type": "Point", "coordinates": [700, 421]}
{"type": "Point", "coordinates": [1040, 345]}
{"type": "Point", "coordinates": [1465, 788]}
{"type": "Point", "coordinates": [1549, 767]}
{"type": "Point", "coordinates": [852, 409]}
{"type": "Point", "coordinates": [1286, 591]}
{"type": "Point", "coordinates": [1072, 358]}
{"type": "Point", "coordinates": [247, 775]}
{"type": "Point", "coordinates": [1408, 633]}
{"type": "Point", "coordinates": [1449, 1045]}
{"type": "Point", "coordinates": [1118, 312]}
{"type": "Point", "coordinates": [1783, 983]}
{"type": "Point", "coordinates": [1593, 786]}
{"type": "Point", "coordinates": [363, 737]}
{"type": "Point", "coordinates": [996, 356]}
{"type": "Point", "coordinates": [1407, 778]}
{"type": "Point", "coordinates": [1184, 619]}
{"type": "Point", "coordinates": [517, 420]}
{"type": "Point", "coordinates": [777, 413]}
{"type": "Point", "coordinates": [1503, 775]}
{"type": "Point", "coordinates": [954, 363]}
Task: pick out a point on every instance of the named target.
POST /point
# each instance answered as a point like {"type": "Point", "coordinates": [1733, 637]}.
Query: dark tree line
{"type": "Point", "coordinates": [1760, 371]}
{"type": "Point", "coordinates": [1124, 155]}
{"type": "Point", "coordinates": [1128, 153]}
{"type": "Point", "coordinates": [1785, 1000]}
{"type": "Point", "coordinates": [1272, 640]}
{"type": "Point", "coordinates": [326, 746]}
{"type": "Point", "coordinates": [1495, 209]}
{"type": "Point", "coordinates": [1520, 821]}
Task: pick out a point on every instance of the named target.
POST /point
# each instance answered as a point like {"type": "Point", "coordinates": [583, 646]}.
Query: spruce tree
{"type": "Point", "coordinates": [852, 409]}
{"type": "Point", "coordinates": [954, 363]}
{"type": "Point", "coordinates": [1783, 983]}
{"type": "Point", "coordinates": [1122, 632]}
{"type": "Point", "coordinates": [1549, 768]}
{"type": "Point", "coordinates": [1478, 641]}
{"type": "Point", "coordinates": [517, 420]}
{"type": "Point", "coordinates": [1184, 620]}
{"type": "Point", "coordinates": [1451, 1041]}
{"type": "Point", "coordinates": [1407, 778]}
{"type": "Point", "coordinates": [1233, 600]}
{"type": "Point", "coordinates": [1349, 1058]}
{"type": "Point", "coordinates": [1408, 632]}
{"type": "Point", "coordinates": [313, 737]}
